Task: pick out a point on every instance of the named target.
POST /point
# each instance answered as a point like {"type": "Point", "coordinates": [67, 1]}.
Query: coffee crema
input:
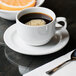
{"type": "Point", "coordinates": [35, 19]}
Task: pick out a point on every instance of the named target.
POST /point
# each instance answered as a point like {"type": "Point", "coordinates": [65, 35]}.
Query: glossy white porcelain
{"type": "Point", "coordinates": [37, 35]}
{"type": "Point", "coordinates": [11, 15]}
{"type": "Point", "coordinates": [14, 42]}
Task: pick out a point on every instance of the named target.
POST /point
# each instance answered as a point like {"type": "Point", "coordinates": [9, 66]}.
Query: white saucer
{"type": "Point", "coordinates": [12, 40]}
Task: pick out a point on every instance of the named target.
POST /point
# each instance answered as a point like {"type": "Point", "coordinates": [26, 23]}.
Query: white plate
{"type": "Point", "coordinates": [12, 40]}
{"type": "Point", "coordinates": [11, 15]}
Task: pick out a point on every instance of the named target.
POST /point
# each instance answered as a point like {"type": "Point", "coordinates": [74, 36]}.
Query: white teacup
{"type": "Point", "coordinates": [37, 35]}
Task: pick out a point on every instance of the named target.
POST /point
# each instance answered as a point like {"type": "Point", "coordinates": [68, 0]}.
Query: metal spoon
{"type": "Point", "coordinates": [73, 57]}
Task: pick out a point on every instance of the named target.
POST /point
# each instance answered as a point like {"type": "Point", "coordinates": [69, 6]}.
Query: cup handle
{"type": "Point", "coordinates": [61, 19]}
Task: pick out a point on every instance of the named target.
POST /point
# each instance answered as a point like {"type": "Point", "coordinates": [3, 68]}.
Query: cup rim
{"type": "Point", "coordinates": [33, 8]}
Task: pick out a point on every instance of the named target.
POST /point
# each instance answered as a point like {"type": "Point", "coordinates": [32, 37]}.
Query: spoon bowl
{"type": "Point", "coordinates": [73, 55]}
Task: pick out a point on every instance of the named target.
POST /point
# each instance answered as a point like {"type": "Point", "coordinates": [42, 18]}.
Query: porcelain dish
{"type": "Point", "coordinates": [13, 41]}
{"type": "Point", "coordinates": [11, 15]}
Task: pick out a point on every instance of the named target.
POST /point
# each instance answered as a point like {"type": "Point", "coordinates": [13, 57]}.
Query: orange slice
{"type": "Point", "coordinates": [14, 5]}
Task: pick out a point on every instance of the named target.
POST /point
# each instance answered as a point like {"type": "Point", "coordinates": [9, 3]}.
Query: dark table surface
{"type": "Point", "coordinates": [11, 62]}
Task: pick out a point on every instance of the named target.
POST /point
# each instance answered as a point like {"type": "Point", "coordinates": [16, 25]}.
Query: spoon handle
{"type": "Point", "coordinates": [57, 68]}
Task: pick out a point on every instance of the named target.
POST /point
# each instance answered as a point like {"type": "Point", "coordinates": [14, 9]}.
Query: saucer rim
{"type": "Point", "coordinates": [33, 54]}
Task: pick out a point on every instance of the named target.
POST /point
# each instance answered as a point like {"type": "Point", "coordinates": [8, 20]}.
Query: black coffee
{"type": "Point", "coordinates": [32, 16]}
